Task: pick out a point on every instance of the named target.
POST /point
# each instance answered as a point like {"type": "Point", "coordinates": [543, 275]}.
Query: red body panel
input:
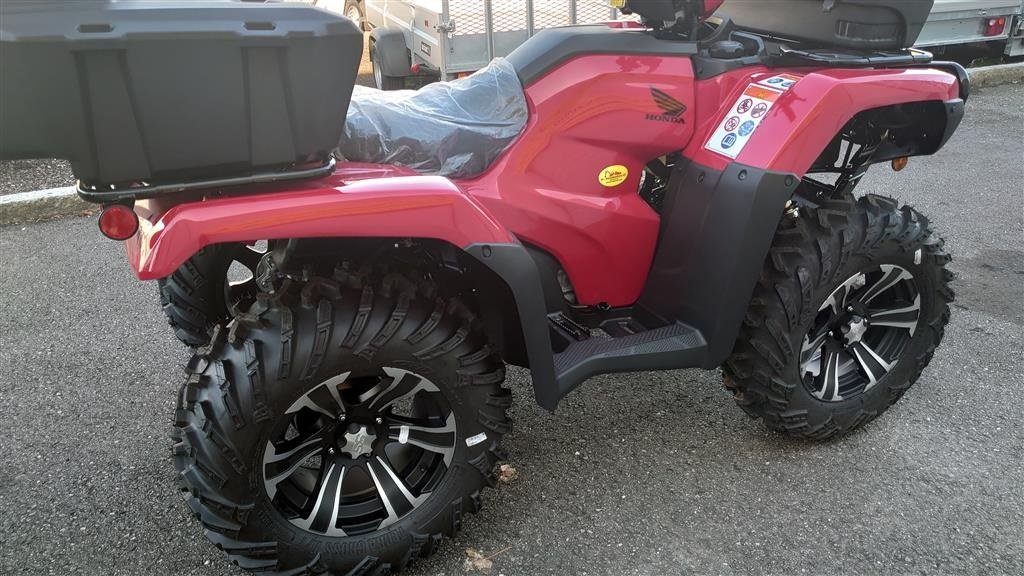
{"type": "Point", "coordinates": [358, 200]}
{"type": "Point", "coordinates": [589, 114]}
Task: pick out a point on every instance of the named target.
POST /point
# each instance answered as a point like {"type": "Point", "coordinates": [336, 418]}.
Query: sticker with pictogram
{"type": "Point", "coordinates": [747, 113]}
{"type": "Point", "coordinates": [781, 81]}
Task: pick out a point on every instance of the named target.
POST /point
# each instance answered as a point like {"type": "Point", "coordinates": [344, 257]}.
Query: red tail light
{"type": "Point", "coordinates": [995, 26]}
{"type": "Point", "coordinates": [118, 222]}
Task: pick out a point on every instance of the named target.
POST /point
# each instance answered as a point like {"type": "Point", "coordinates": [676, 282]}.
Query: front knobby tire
{"type": "Point", "coordinates": [850, 306]}
{"type": "Point", "coordinates": [343, 427]}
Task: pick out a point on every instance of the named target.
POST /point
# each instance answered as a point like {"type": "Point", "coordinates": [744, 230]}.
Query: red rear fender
{"type": "Point", "coordinates": [391, 204]}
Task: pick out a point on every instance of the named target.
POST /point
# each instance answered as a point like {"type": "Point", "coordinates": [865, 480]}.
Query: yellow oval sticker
{"type": "Point", "coordinates": [613, 175]}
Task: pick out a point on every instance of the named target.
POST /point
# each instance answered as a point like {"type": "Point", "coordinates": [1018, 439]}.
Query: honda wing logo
{"type": "Point", "coordinates": [671, 109]}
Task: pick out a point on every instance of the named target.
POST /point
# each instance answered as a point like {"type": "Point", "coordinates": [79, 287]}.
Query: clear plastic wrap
{"type": "Point", "coordinates": [453, 129]}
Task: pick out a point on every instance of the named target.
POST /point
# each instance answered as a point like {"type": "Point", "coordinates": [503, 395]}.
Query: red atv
{"type": "Point", "coordinates": [672, 194]}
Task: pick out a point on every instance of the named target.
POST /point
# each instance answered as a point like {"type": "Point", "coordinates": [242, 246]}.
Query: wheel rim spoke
{"type": "Point", "coordinates": [873, 365]}
{"type": "Point", "coordinates": [437, 439]}
{"type": "Point", "coordinates": [324, 514]}
{"type": "Point", "coordinates": [395, 495]}
{"type": "Point", "coordinates": [837, 300]}
{"type": "Point", "coordinates": [828, 389]}
{"type": "Point", "coordinates": [818, 342]}
{"type": "Point", "coordinates": [898, 318]}
{"type": "Point", "coordinates": [249, 257]}
{"type": "Point", "coordinates": [404, 385]}
{"type": "Point", "coordinates": [314, 441]}
{"type": "Point", "coordinates": [891, 276]}
{"type": "Point", "coordinates": [273, 481]}
{"type": "Point", "coordinates": [325, 398]}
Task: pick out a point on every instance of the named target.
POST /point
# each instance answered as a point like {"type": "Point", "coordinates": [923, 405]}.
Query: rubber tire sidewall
{"type": "Point", "coordinates": [382, 81]}
{"type": "Point", "coordinates": [242, 365]}
{"type": "Point", "coordinates": [809, 258]}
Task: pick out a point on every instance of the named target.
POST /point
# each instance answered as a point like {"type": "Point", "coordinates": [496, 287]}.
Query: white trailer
{"type": "Point", "coordinates": [958, 22]}
{"type": "Point", "coordinates": [450, 37]}
{"type": "Point", "coordinates": [446, 38]}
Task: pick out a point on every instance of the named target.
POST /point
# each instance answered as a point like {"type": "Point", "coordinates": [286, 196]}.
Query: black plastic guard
{"type": "Point", "coordinates": [513, 263]}
{"type": "Point", "coordinates": [715, 233]}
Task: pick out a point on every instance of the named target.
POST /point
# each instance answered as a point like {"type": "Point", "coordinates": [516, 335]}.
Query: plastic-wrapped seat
{"type": "Point", "coordinates": [454, 129]}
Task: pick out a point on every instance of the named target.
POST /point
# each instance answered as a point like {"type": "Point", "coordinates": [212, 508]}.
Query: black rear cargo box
{"type": "Point", "coordinates": [857, 24]}
{"type": "Point", "coordinates": [165, 92]}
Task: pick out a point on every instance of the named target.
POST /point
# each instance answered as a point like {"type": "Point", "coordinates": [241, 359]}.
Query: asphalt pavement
{"type": "Point", "coordinates": [643, 474]}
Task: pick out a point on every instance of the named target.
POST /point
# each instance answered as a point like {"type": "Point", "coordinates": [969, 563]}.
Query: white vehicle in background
{"type": "Point", "coordinates": [354, 10]}
{"type": "Point", "coordinates": [959, 22]}
{"type": "Point", "coordinates": [448, 38]}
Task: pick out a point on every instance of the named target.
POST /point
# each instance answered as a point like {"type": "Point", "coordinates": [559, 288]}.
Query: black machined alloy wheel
{"type": "Point", "coordinates": [849, 310]}
{"type": "Point", "coordinates": [202, 292]}
{"type": "Point", "coordinates": [860, 332]}
{"type": "Point", "coordinates": [342, 426]}
{"type": "Point", "coordinates": [345, 459]}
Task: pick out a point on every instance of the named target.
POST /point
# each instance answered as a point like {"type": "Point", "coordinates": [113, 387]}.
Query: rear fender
{"type": "Point", "coordinates": [340, 206]}
{"type": "Point", "coordinates": [361, 201]}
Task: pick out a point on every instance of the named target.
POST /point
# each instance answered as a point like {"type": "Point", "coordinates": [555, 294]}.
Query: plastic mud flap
{"type": "Point", "coordinates": [717, 227]}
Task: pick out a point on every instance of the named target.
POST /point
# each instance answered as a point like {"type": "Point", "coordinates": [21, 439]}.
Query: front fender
{"type": "Point", "coordinates": [343, 205]}
{"type": "Point", "coordinates": [808, 116]}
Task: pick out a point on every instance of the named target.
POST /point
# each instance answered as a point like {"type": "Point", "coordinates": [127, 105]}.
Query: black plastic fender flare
{"type": "Point", "coordinates": [390, 44]}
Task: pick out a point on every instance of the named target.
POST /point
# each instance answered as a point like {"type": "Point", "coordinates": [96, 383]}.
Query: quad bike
{"type": "Point", "coordinates": [675, 194]}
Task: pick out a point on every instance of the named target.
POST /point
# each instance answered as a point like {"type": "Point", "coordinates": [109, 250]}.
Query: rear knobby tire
{"type": "Point", "coordinates": [810, 257]}
{"type": "Point", "coordinates": [195, 297]}
{"type": "Point", "coordinates": [260, 365]}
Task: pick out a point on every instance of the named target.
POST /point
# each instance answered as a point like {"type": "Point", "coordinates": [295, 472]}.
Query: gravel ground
{"type": "Point", "coordinates": [643, 474]}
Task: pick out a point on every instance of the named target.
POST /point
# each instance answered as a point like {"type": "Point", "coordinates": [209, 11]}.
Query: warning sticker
{"type": "Point", "coordinates": [782, 81]}
{"type": "Point", "coordinates": [750, 108]}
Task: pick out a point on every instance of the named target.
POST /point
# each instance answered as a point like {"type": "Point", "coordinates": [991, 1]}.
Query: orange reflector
{"type": "Point", "coordinates": [118, 222]}
{"type": "Point", "coordinates": [900, 163]}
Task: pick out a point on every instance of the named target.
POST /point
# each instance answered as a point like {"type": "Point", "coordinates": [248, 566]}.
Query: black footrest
{"type": "Point", "coordinates": [674, 346]}
{"type": "Point", "coordinates": [569, 327]}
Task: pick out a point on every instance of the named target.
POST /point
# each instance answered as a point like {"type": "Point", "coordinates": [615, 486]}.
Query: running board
{"type": "Point", "coordinates": [666, 348]}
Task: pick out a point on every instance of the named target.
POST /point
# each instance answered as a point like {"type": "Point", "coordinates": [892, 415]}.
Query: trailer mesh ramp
{"type": "Point", "coordinates": [470, 16]}
{"type": "Point", "coordinates": [454, 129]}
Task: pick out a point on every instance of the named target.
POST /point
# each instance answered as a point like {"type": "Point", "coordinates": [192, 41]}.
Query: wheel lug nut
{"type": "Point", "coordinates": [849, 308]}
{"type": "Point", "coordinates": [380, 420]}
{"type": "Point", "coordinates": [341, 417]}
{"type": "Point", "coordinates": [330, 451]}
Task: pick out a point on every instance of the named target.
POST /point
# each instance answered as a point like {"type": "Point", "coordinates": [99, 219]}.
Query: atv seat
{"type": "Point", "coordinates": [454, 129]}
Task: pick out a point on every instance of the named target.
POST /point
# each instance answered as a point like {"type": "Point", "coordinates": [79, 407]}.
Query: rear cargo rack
{"type": "Point", "coordinates": [848, 58]}
{"type": "Point", "coordinates": [111, 195]}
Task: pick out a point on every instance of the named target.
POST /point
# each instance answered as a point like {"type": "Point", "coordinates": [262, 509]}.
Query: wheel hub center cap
{"type": "Point", "coordinates": [854, 330]}
{"type": "Point", "coordinates": [358, 443]}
